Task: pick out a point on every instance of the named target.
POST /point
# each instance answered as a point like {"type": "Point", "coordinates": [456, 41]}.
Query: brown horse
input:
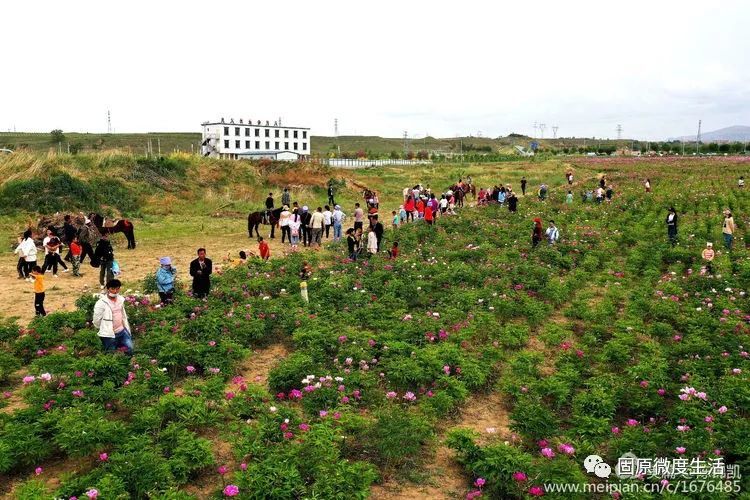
{"type": "Point", "coordinates": [255, 219]}
{"type": "Point", "coordinates": [123, 226]}
{"type": "Point", "coordinates": [459, 194]}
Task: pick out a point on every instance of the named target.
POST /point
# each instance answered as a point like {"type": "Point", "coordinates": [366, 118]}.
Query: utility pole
{"type": "Point", "coordinates": [698, 139]}
{"type": "Point", "coordinates": [336, 134]}
{"type": "Point", "coordinates": [535, 127]}
{"type": "Point", "coordinates": [158, 142]}
{"type": "Point", "coordinates": [619, 132]}
{"type": "Point", "coordinates": [406, 146]}
{"type": "Point", "coordinates": [542, 126]}
{"type": "Point", "coordinates": [554, 131]}
{"type": "Point", "coordinates": [109, 123]}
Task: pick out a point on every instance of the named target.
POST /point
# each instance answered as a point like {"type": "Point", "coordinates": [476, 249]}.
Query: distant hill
{"type": "Point", "coordinates": [736, 133]}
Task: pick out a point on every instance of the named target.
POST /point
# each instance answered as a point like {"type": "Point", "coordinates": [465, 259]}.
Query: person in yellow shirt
{"type": "Point", "coordinates": [38, 276]}
{"type": "Point", "coordinates": [728, 229]}
{"type": "Point", "coordinates": [708, 256]}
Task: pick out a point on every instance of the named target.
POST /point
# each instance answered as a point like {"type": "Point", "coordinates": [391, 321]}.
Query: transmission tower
{"type": "Point", "coordinates": [406, 145]}
{"type": "Point", "coordinates": [619, 132]}
{"type": "Point", "coordinates": [698, 139]}
{"type": "Point", "coordinates": [109, 123]}
{"type": "Point", "coordinates": [336, 134]}
{"type": "Point", "coordinates": [535, 127]}
{"type": "Point", "coordinates": [542, 126]}
{"type": "Point", "coordinates": [554, 131]}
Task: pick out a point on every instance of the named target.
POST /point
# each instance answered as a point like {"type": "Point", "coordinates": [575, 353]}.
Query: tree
{"type": "Point", "coordinates": [57, 136]}
{"type": "Point", "coordinates": [395, 155]}
{"type": "Point", "coordinates": [76, 147]}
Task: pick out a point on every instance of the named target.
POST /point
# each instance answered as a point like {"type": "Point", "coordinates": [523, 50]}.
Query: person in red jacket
{"type": "Point", "coordinates": [428, 215]}
{"type": "Point", "coordinates": [536, 235]}
{"type": "Point", "coordinates": [420, 208]}
{"type": "Point", "coordinates": [409, 207]}
{"type": "Point", "coordinates": [265, 252]}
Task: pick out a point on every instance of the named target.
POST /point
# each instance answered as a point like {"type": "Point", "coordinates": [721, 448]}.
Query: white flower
{"type": "Point", "coordinates": [286, 420]}
{"type": "Point", "coordinates": [272, 409]}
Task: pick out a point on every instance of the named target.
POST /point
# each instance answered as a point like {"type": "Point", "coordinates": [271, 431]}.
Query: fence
{"type": "Point", "coordinates": [345, 163]}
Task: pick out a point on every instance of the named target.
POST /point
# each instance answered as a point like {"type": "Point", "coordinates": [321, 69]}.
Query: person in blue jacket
{"type": "Point", "coordinates": [165, 280]}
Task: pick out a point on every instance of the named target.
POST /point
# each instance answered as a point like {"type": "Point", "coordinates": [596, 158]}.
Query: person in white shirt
{"type": "Point", "coordinates": [26, 250]}
{"type": "Point", "coordinates": [553, 234]}
{"type": "Point", "coordinates": [295, 222]}
{"type": "Point", "coordinates": [284, 217]}
{"type": "Point", "coordinates": [327, 219]}
{"type": "Point", "coordinates": [338, 220]}
{"type": "Point", "coordinates": [111, 319]}
{"type": "Point", "coordinates": [317, 222]}
{"type": "Point", "coordinates": [52, 245]}
{"type": "Point", "coordinates": [372, 241]}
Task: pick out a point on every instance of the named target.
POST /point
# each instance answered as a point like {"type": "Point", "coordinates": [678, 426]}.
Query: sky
{"type": "Point", "coordinates": [438, 68]}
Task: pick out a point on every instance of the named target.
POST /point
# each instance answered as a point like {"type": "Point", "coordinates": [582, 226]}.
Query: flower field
{"type": "Point", "coordinates": [611, 341]}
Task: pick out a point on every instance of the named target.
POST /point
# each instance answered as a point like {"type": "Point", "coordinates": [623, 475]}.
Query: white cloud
{"type": "Point", "coordinates": [380, 68]}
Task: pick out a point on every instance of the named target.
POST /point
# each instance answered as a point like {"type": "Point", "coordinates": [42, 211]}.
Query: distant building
{"type": "Point", "coordinates": [254, 140]}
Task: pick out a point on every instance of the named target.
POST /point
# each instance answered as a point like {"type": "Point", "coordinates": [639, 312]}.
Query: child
{"type": "Point", "coordinates": [393, 252]}
{"type": "Point", "coordinates": [75, 256]}
{"type": "Point", "coordinates": [708, 256]}
{"type": "Point", "coordinates": [396, 219]}
{"type": "Point", "coordinates": [38, 276]}
{"type": "Point", "coordinates": [569, 197]}
{"type": "Point", "coordinates": [265, 252]}
{"type": "Point", "coordinates": [372, 241]}
{"type": "Point", "coordinates": [351, 243]}
{"type": "Point", "coordinates": [401, 215]}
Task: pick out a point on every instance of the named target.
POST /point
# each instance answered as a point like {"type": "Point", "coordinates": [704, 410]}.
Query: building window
{"type": "Point", "coordinates": [268, 144]}
{"type": "Point", "coordinates": [286, 146]}
{"type": "Point", "coordinates": [247, 132]}
{"type": "Point", "coordinates": [257, 132]}
{"type": "Point", "coordinates": [295, 146]}
{"type": "Point", "coordinates": [247, 144]}
{"type": "Point", "coordinates": [286, 134]}
{"type": "Point", "coordinates": [257, 144]}
{"type": "Point", "coordinates": [304, 146]}
{"type": "Point", "coordinates": [226, 130]}
{"type": "Point", "coordinates": [226, 144]}
{"type": "Point", "coordinates": [304, 134]}
{"type": "Point", "coordinates": [276, 146]}
{"type": "Point", "coordinates": [276, 132]}
{"type": "Point", "coordinates": [237, 144]}
{"type": "Point", "coordinates": [295, 134]}
{"type": "Point", "coordinates": [268, 133]}
{"type": "Point", "coordinates": [236, 130]}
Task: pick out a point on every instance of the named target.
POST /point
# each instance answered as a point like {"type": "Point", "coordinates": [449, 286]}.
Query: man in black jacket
{"type": "Point", "coordinates": [330, 195]}
{"type": "Point", "coordinates": [105, 255]}
{"type": "Point", "coordinates": [200, 270]}
{"type": "Point", "coordinates": [269, 207]}
{"type": "Point", "coordinates": [305, 227]}
{"type": "Point", "coordinates": [378, 228]}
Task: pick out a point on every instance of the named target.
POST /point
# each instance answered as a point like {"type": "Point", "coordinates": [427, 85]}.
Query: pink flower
{"type": "Point", "coordinates": [288, 435]}
{"type": "Point", "coordinates": [680, 450]}
{"type": "Point", "coordinates": [631, 422]}
{"type": "Point", "coordinates": [409, 396]}
{"type": "Point", "coordinates": [615, 430]}
{"type": "Point", "coordinates": [520, 476]}
{"type": "Point", "coordinates": [77, 394]}
{"type": "Point", "coordinates": [92, 493]}
{"type": "Point", "coordinates": [38, 471]}
{"type": "Point", "coordinates": [342, 338]}
{"type": "Point", "coordinates": [323, 413]}
{"type": "Point", "coordinates": [190, 369]}
{"type": "Point", "coordinates": [28, 379]}
{"type": "Point", "coordinates": [644, 383]}
{"type": "Point", "coordinates": [390, 394]}
{"type": "Point", "coordinates": [336, 416]}
{"type": "Point", "coordinates": [447, 369]}
{"type": "Point", "coordinates": [231, 490]}
{"type": "Point", "coordinates": [103, 457]}
{"type": "Point", "coordinates": [566, 449]}
{"type": "Point", "coordinates": [46, 377]}
{"type": "Point", "coordinates": [222, 469]}
{"type": "Point", "coordinates": [243, 466]}
{"type": "Point", "coordinates": [709, 419]}
{"type": "Point", "coordinates": [736, 371]}
{"type": "Point", "coordinates": [479, 482]}
{"type": "Point", "coordinates": [304, 427]}
{"type": "Point", "coordinates": [547, 452]}
{"type": "Point", "coordinates": [229, 395]}
{"type": "Point", "coordinates": [542, 443]}
{"type": "Point", "coordinates": [661, 392]}
{"type": "Point", "coordinates": [722, 409]}
{"type": "Point", "coordinates": [536, 491]}
{"type": "Point", "coordinates": [371, 342]}
{"type": "Point", "coordinates": [166, 390]}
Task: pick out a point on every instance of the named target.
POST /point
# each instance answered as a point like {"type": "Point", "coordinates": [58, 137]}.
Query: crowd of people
{"type": "Point", "coordinates": [311, 227]}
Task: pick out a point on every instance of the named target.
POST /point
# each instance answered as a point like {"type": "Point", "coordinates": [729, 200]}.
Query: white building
{"type": "Point", "coordinates": [249, 140]}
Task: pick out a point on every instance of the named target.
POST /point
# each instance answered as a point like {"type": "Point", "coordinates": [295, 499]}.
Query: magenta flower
{"type": "Point", "coordinates": [520, 476]}
{"type": "Point", "coordinates": [103, 457]}
{"type": "Point", "coordinates": [566, 449]}
{"type": "Point", "coordinates": [304, 427]}
{"type": "Point", "coordinates": [229, 395]}
{"type": "Point", "coordinates": [231, 490]}
{"type": "Point", "coordinates": [38, 471]}
{"type": "Point", "coordinates": [243, 466]}
{"type": "Point", "coordinates": [323, 413]}
{"type": "Point", "coordinates": [28, 379]}
{"type": "Point", "coordinates": [536, 491]}
{"type": "Point", "coordinates": [409, 396]}
{"type": "Point", "coordinates": [631, 422]}
{"type": "Point", "coordinates": [342, 338]}
{"type": "Point", "coordinates": [680, 450]}
{"type": "Point", "coordinates": [190, 369]}
{"type": "Point", "coordinates": [547, 452]}
{"type": "Point", "coordinates": [661, 392]}
{"type": "Point", "coordinates": [92, 493]}
{"type": "Point", "coordinates": [390, 394]}
{"type": "Point", "coordinates": [222, 469]}
{"type": "Point", "coordinates": [77, 394]}
{"type": "Point", "coordinates": [722, 409]}
{"type": "Point", "coordinates": [480, 481]}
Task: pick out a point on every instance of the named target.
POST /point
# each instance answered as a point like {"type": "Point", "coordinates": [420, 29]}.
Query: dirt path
{"type": "Point", "coordinates": [446, 479]}
{"type": "Point", "coordinates": [17, 297]}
